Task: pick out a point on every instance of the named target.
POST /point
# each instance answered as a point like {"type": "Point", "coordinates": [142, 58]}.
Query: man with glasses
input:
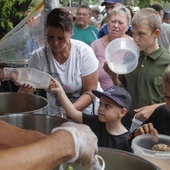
{"type": "Point", "coordinates": [83, 31]}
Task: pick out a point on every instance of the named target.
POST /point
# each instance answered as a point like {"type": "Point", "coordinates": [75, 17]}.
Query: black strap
{"type": "Point", "coordinates": [93, 106]}
{"type": "Point", "coordinates": [48, 63]}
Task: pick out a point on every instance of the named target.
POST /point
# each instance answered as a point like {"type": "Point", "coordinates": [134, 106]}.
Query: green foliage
{"type": "Point", "coordinates": [34, 3]}
{"type": "Point", "coordinates": [11, 13]}
{"type": "Point", "coordinates": [147, 3]}
{"type": "Point", "coordinates": [144, 3]}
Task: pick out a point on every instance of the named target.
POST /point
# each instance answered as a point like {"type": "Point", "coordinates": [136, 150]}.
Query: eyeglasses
{"type": "Point", "coordinates": [82, 14]}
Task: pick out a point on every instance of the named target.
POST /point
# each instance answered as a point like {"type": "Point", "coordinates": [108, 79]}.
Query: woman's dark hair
{"type": "Point", "coordinates": [59, 17]}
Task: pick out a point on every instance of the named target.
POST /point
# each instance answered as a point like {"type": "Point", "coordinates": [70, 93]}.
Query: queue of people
{"type": "Point", "coordinates": [78, 69]}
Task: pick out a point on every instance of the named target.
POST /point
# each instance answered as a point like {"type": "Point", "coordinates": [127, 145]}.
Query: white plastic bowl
{"type": "Point", "coordinates": [122, 55]}
{"type": "Point", "coordinates": [142, 146]}
{"type": "Point", "coordinates": [34, 77]}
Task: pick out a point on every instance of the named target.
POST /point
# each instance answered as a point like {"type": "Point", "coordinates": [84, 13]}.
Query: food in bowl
{"type": "Point", "coordinates": [161, 147]}
{"type": "Point", "coordinates": [142, 146]}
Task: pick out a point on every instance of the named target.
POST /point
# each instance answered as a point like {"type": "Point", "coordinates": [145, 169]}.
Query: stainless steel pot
{"type": "Point", "coordinates": [38, 122]}
{"type": "Point", "coordinates": [12, 102]}
{"type": "Point", "coordinates": [121, 160]}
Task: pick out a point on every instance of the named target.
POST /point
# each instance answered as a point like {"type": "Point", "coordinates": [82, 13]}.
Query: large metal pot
{"type": "Point", "coordinates": [38, 122]}
{"type": "Point", "coordinates": [121, 160]}
{"type": "Point", "coordinates": [12, 102]}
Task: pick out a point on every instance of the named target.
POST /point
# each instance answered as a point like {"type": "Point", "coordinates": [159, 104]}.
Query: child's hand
{"type": "Point", "coordinates": [55, 86]}
{"type": "Point", "coordinates": [146, 129]}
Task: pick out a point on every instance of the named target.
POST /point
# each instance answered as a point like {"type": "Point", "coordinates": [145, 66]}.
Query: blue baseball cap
{"type": "Point", "coordinates": [166, 15]}
{"type": "Point", "coordinates": [112, 2]}
{"type": "Point", "coordinates": [117, 94]}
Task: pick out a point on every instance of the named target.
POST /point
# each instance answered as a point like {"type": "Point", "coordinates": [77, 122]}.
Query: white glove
{"type": "Point", "coordinates": [85, 142]}
{"type": "Point", "coordinates": [12, 74]}
{"type": "Point", "coordinates": [7, 73]}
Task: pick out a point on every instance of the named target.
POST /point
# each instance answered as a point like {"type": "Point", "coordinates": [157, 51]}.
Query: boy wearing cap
{"type": "Point", "coordinates": [114, 103]}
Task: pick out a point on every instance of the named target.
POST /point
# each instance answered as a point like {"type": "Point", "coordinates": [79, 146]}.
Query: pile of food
{"type": "Point", "coordinates": [161, 147]}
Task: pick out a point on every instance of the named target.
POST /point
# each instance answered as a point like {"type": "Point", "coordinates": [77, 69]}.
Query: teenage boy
{"type": "Point", "coordinates": [145, 82]}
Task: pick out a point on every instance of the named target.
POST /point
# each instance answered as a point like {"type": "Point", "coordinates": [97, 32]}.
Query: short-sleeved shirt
{"type": "Point", "coordinates": [87, 35]}
{"type": "Point", "coordinates": [81, 62]}
{"type": "Point", "coordinates": [104, 138]}
{"type": "Point", "coordinates": [160, 119]}
{"type": "Point", "coordinates": [99, 48]}
{"type": "Point", "coordinates": [145, 82]}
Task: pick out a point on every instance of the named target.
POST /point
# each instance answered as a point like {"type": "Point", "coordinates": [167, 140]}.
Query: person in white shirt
{"type": "Point", "coordinates": [71, 62]}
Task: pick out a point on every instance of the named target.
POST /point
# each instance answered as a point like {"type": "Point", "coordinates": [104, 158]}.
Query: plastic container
{"type": "Point", "coordinates": [36, 78]}
{"type": "Point", "coordinates": [122, 55]}
{"type": "Point", "coordinates": [142, 146]}
{"type": "Point", "coordinates": [135, 123]}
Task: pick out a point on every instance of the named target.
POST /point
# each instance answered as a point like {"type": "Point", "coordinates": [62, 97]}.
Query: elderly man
{"type": "Point", "coordinates": [109, 5]}
{"type": "Point", "coordinates": [83, 31]}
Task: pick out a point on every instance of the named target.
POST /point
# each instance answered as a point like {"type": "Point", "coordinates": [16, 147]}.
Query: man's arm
{"type": "Point", "coordinates": [41, 155]}
{"type": "Point", "coordinates": [68, 143]}
{"type": "Point", "coordinates": [11, 136]}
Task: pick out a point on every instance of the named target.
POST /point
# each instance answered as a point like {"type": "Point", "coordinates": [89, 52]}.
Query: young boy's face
{"type": "Point", "coordinates": [144, 37]}
{"type": "Point", "coordinates": [108, 110]}
{"type": "Point", "coordinates": [166, 91]}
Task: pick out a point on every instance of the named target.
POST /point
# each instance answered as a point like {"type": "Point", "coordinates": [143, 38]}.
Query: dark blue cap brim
{"type": "Point", "coordinates": [112, 2]}
{"type": "Point", "coordinates": [99, 94]}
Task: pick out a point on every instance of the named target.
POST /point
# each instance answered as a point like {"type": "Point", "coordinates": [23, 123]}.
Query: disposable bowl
{"type": "Point", "coordinates": [34, 77]}
{"type": "Point", "coordinates": [122, 55]}
{"type": "Point", "coordinates": [142, 146]}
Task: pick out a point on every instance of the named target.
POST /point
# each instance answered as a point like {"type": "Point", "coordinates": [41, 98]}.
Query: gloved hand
{"type": "Point", "coordinates": [12, 74]}
{"type": "Point", "coordinates": [85, 142]}
{"type": "Point", "coordinates": [7, 73]}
